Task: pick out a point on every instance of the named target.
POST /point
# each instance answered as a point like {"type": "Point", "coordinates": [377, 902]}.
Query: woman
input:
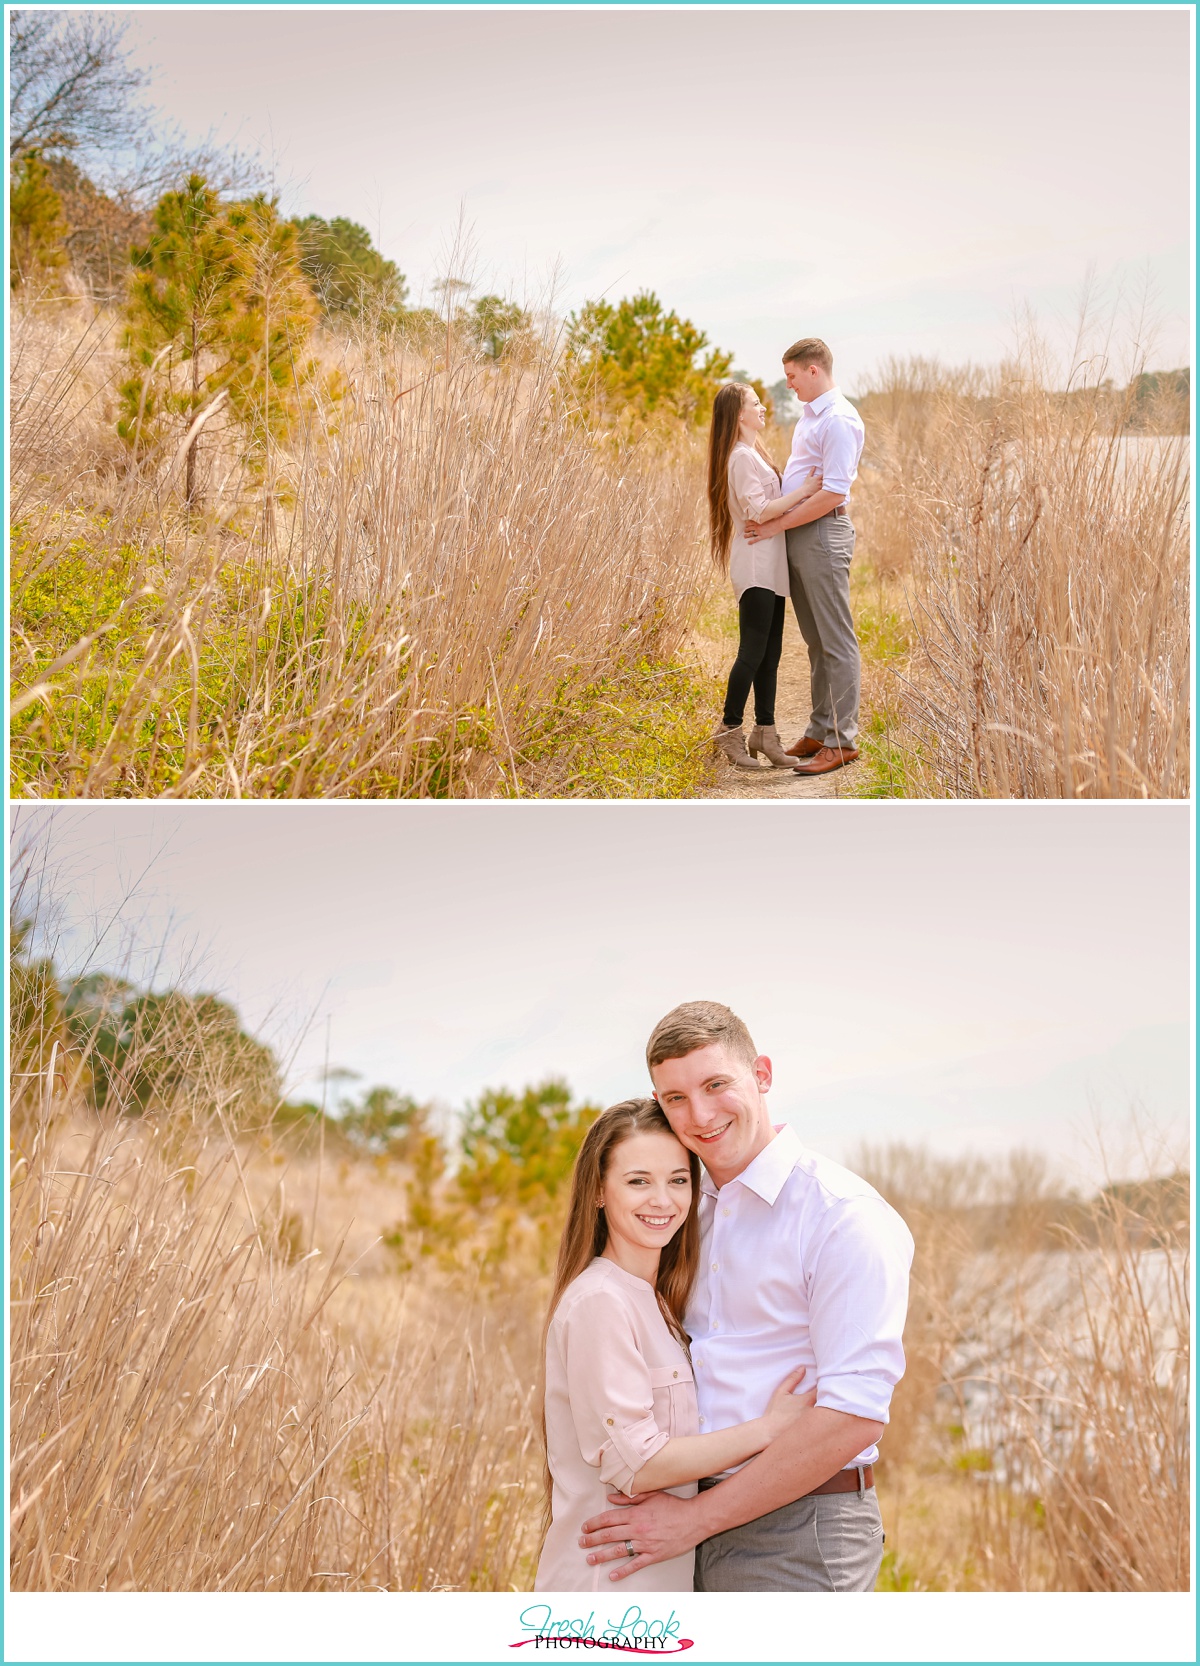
{"type": "Point", "coordinates": [744, 485]}
{"type": "Point", "coordinates": [620, 1402]}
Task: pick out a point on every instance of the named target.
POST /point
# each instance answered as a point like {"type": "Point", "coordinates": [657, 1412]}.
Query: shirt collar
{"type": "Point", "coordinates": [766, 1174]}
{"type": "Point", "coordinates": [818, 407]}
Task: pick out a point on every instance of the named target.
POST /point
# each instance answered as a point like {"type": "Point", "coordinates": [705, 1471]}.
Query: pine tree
{"type": "Point", "coordinates": [181, 306]}
{"type": "Point", "coordinates": [637, 357]}
{"type": "Point", "coordinates": [348, 274]}
{"type": "Point", "coordinates": [496, 325]}
{"type": "Point", "coordinates": [37, 226]}
{"type": "Point", "coordinates": [218, 294]}
{"type": "Point", "coordinates": [276, 313]}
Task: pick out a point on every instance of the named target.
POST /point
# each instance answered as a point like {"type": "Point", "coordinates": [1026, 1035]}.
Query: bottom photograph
{"type": "Point", "coordinates": [600, 1199]}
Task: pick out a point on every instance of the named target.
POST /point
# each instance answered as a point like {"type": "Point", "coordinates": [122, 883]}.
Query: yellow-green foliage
{"type": "Point", "coordinates": [155, 702]}
{"type": "Point", "coordinates": [37, 225]}
{"type": "Point", "coordinates": [218, 305]}
{"type": "Point", "coordinates": [639, 359]}
{"type": "Point", "coordinates": [37, 1033]}
{"type": "Point", "coordinates": [641, 732]}
{"type": "Point", "coordinates": [502, 1209]}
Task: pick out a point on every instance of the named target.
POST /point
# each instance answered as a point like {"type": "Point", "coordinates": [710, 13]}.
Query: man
{"type": "Point", "coordinates": [827, 441]}
{"type": "Point", "coordinates": [801, 1263]}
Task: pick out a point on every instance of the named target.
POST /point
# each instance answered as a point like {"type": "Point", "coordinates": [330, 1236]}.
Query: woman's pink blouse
{"type": "Point", "coordinates": [753, 484]}
{"type": "Point", "coordinates": [618, 1387]}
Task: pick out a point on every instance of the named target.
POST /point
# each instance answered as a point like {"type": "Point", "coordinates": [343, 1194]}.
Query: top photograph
{"type": "Point", "coordinates": [682, 404]}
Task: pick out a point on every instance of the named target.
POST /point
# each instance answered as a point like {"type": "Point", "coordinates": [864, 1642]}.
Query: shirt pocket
{"type": "Point", "coordinates": [674, 1399]}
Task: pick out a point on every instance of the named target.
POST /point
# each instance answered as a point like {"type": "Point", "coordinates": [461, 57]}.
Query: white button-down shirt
{"type": "Point", "coordinates": [801, 1263]}
{"type": "Point", "coordinates": [829, 438]}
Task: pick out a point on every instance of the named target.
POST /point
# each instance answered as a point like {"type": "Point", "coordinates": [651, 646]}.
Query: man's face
{"type": "Point", "coordinates": [715, 1104]}
{"type": "Point", "coordinates": [807, 381]}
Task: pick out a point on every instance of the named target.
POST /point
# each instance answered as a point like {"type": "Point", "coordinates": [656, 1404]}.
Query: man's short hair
{"type": "Point", "coordinates": [699, 1024]}
{"type": "Point", "coordinates": [812, 350]}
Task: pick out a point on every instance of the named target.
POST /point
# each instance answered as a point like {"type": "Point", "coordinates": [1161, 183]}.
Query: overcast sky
{"type": "Point", "coordinates": [972, 977]}
{"type": "Point", "coordinates": [896, 181]}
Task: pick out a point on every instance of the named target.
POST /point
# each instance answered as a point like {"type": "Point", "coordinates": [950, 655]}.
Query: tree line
{"type": "Point", "coordinates": [126, 1050]}
{"type": "Point", "coordinates": [219, 293]}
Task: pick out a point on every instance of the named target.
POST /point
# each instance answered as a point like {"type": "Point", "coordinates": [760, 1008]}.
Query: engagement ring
{"type": "Point", "coordinates": [629, 1550]}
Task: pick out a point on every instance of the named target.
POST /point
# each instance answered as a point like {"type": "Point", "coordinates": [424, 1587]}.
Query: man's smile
{"type": "Point", "coordinates": [715, 1133]}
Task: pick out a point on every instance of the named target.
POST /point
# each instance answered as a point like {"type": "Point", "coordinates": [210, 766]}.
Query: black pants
{"type": "Point", "coordinates": [760, 643]}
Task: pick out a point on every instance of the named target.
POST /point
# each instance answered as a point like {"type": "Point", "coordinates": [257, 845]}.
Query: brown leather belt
{"type": "Point", "coordinates": [846, 1480]}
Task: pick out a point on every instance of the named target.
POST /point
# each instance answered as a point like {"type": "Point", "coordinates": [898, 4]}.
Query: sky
{"type": "Point", "coordinates": [973, 978]}
{"type": "Point", "coordinates": [899, 182]}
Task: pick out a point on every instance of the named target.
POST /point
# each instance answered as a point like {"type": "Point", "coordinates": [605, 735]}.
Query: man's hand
{"type": "Point", "coordinates": [657, 1524]}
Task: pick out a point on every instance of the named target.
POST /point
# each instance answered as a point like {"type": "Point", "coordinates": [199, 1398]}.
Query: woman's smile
{"type": "Point", "coordinates": [646, 1196]}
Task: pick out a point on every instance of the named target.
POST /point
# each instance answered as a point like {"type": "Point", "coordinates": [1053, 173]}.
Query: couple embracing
{"type": "Point", "coordinates": [720, 1291]}
{"type": "Point", "coordinates": [792, 535]}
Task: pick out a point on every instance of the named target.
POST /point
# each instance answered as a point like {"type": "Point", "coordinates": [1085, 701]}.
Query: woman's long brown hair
{"type": "Point", "coordinates": [722, 437]}
{"type": "Point", "coordinates": [585, 1233]}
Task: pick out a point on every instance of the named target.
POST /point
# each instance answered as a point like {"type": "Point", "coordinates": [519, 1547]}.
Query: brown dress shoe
{"type": "Point", "coordinates": [827, 758]}
{"type": "Point", "coordinates": [805, 747]}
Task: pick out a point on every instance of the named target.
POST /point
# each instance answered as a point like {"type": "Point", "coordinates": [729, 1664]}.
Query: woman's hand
{"type": "Point", "coordinates": [785, 1406]}
{"type": "Point", "coordinates": [814, 483]}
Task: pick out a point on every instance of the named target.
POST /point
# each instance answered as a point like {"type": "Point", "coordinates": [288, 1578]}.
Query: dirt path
{"type": "Point", "coordinates": [717, 652]}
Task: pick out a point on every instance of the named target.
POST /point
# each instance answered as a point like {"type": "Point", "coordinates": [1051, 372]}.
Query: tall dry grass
{"type": "Point", "coordinates": [222, 1380]}
{"type": "Point", "coordinates": [196, 1405]}
{"type": "Point", "coordinates": [246, 1354]}
{"type": "Point", "coordinates": [1045, 1408]}
{"type": "Point", "coordinates": [390, 604]}
{"type": "Point", "coordinates": [1038, 555]}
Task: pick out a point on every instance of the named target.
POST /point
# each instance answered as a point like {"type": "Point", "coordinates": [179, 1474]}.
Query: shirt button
{"type": "Point", "coordinates": [702, 1420]}
{"type": "Point", "coordinates": [714, 1324]}
{"type": "Point", "coordinates": [674, 1373]}
{"type": "Point", "coordinates": [608, 1420]}
{"type": "Point", "coordinates": [715, 1267]}
{"type": "Point", "coordinates": [724, 1211]}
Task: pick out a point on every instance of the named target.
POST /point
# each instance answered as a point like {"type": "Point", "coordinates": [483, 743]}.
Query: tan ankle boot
{"type": "Point", "coordinates": [765, 742]}
{"type": "Point", "coordinates": [732, 743]}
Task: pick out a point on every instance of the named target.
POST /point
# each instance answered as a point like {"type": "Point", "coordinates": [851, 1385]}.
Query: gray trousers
{"type": "Point", "coordinates": [819, 557]}
{"type": "Point", "coordinates": [833, 1542]}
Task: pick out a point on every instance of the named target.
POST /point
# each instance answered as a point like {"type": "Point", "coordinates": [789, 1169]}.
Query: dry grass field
{"type": "Point", "coordinates": [449, 581]}
{"type": "Point", "coordinates": [1023, 592]}
{"type": "Point", "coordinates": [438, 585]}
{"type": "Point", "coordinates": [231, 1372]}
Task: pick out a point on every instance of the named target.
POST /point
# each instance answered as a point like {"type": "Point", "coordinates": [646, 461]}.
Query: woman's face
{"type": "Point", "coordinates": [647, 1191]}
{"type": "Point", "coordinates": [754, 412]}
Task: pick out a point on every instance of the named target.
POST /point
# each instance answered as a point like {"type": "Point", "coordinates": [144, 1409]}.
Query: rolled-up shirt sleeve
{"type": "Point", "coordinates": [747, 487]}
{"type": "Point", "coordinates": [608, 1384]}
{"type": "Point", "coordinates": [858, 1300]}
{"type": "Point", "coordinates": [841, 448]}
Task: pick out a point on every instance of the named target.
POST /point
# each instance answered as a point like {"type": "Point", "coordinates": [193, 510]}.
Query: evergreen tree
{"type": "Point", "coordinates": [37, 226]}
{"type": "Point", "coordinates": [167, 1052]}
{"type": "Point", "coordinates": [35, 1011]}
{"type": "Point", "coordinates": [276, 311]}
{"type": "Point", "coordinates": [346, 272]}
{"type": "Point", "coordinates": [637, 357]}
{"type": "Point", "coordinates": [182, 299]}
{"type": "Point", "coordinates": [218, 293]}
{"type": "Point", "coordinates": [495, 324]}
